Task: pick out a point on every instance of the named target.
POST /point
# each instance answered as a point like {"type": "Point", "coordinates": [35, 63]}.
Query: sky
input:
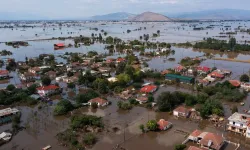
{"type": "Point", "coordinates": [56, 9]}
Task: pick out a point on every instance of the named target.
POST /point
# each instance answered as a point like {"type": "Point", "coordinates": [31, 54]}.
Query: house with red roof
{"type": "Point", "coordinates": [181, 111]}
{"type": "Point", "coordinates": [4, 74]}
{"type": "Point", "coordinates": [148, 89]}
{"type": "Point", "coordinates": [207, 140]}
{"type": "Point", "coordinates": [59, 45]}
{"type": "Point", "coordinates": [48, 90]}
{"type": "Point", "coordinates": [179, 68]}
{"type": "Point", "coordinates": [203, 69]}
{"type": "Point", "coordinates": [120, 59]}
{"type": "Point", "coordinates": [164, 125]}
{"type": "Point", "coordinates": [216, 74]}
{"type": "Point", "coordinates": [110, 60]}
{"type": "Point", "coordinates": [99, 101]}
{"type": "Point", "coordinates": [235, 83]}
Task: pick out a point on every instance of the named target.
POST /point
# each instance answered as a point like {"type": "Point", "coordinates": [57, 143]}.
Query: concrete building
{"type": "Point", "coordinates": [239, 123]}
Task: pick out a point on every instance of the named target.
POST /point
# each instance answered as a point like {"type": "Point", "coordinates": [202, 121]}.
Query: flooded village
{"type": "Point", "coordinates": [125, 85]}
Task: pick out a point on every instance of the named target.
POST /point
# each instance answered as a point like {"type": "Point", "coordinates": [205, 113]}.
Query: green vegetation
{"type": "Point", "coordinates": [210, 99]}
{"type": "Point", "coordinates": [84, 98]}
{"type": "Point", "coordinates": [189, 61]}
{"type": "Point", "coordinates": [142, 128]}
{"type": "Point", "coordinates": [15, 95]}
{"type": "Point", "coordinates": [101, 85]}
{"type": "Point", "coordinates": [5, 52]}
{"type": "Point", "coordinates": [221, 45]}
{"type": "Point", "coordinates": [152, 125]}
{"type": "Point", "coordinates": [80, 122]}
{"type": "Point", "coordinates": [77, 136]}
{"type": "Point", "coordinates": [71, 85]}
{"type": "Point", "coordinates": [244, 78]}
{"type": "Point", "coordinates": [46, 81]}
{"type": "Point", "coordinates": [124, 105]}
{"type": "Point", "coordinates": [180, 147]}
{"type": "Point", "coordinates": [89, 139]}
{"type": "Point", "coordinates": [63, 107]}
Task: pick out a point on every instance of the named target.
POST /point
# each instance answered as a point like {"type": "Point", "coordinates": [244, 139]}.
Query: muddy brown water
{"type": "Point", "coordinates": [42, 128]}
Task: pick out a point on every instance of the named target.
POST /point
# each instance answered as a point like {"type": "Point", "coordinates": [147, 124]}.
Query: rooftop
{"type": "Point", "coordinates": [8, 111]}
{"type": "Point", "coordinates": [237, 117]}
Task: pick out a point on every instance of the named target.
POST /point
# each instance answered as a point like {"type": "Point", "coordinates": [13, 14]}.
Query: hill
{"type": "Point", "coordinates": [220, 14]}
{"type": "Point", "coordinates": [150, 16]}
{"type": "Point", "coordinates": [113, 16]}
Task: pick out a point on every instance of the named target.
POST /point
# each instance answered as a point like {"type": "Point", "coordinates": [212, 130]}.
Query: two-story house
{"type": "Point", "coordinates": [239, 123]}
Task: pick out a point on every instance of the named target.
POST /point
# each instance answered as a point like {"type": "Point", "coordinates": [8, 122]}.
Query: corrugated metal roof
{"type": "Point", "coordinates": [179, 77]}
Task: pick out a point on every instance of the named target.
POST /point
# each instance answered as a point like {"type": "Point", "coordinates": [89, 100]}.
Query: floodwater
{"type": "Point", "coordinates": [172, 32]}
{"type": "Point", "coordinates": [42, 127]}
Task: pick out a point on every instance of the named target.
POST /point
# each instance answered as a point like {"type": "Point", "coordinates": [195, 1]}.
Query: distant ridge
{"type": "Point", "coordinates": [113, 16]}
{"type": "Point", "coordinates": [219, 14]}
{"type": "Point", "coordinates": [149, 17]}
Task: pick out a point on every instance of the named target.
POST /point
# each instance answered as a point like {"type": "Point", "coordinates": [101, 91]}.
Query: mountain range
{"type": "Point", "coordinates": [113, 16]}
{"type": "Point", "coordinates": [219, 14]}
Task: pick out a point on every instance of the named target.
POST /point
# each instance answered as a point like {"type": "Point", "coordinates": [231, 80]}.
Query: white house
{"type": "Point", "coordinates": [100, 102]}
{"type": "Point", "coordinates": [5, 136]}
{"type": "Point", "coordinates": [239, 123]}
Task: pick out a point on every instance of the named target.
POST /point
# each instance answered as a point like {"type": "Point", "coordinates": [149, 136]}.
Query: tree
{"type": "Point", "coordinates": [63, 107]}
{"type": "Point", "coordinates": [89, 139]}
{"type": "Point", "coordinates": [86, 79]}
{"type": "Point", "coordinates": [150, 98]}
{"type": "Point", "coordinates": [10, 87]}
{"type": "Point", "coordinates": [180, 147]}
{"type": "Point", "coordinates": [120, 68]}
{"type": "Point", "coordinates": [123, 79]}
{"type": "Point", "coordinates": [142, 128]}
{"type": "Point", "coordinates": [129, 70]}
{"type": "Point", "coordinates": [46, 81]}
{"type": "Point", "coordinates": [169, 46]}
{"type": "Point", "coordinates": [71, 85]}
{"type": "Point", "coordinates": [84, 98]}
{"type": "Point", "coordinates": [244, 78]}
{"type": "Point", "coordinates": [152, 125]}
{"type": "Point", "coordinates": [166, 101]}
{"type": "Point", "coordinates": [32, 88]}
{"type": "Point", "coordinates": [101, 85]}
{"type": "Point", "coordinates": [232, 43]}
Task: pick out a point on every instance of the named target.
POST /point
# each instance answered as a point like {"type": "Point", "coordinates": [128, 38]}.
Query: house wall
{"type": "Point", "coordinates": [248, 132]}
{"type": "Point", "coordinates": [238, 124]}
{"type": "Point", "coordinates": [176, 113]}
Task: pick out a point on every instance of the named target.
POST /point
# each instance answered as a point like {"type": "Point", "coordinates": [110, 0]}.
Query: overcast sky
{"type": "Point", "coordinates": [85, 8]}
